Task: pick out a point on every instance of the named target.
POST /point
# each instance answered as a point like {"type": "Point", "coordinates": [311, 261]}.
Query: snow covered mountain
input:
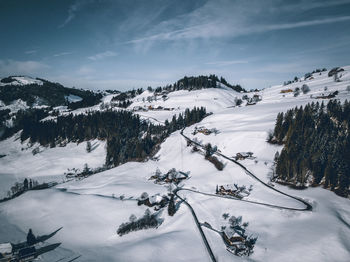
{"type": "Point", "coordinates": [23, 90]}
{"type": "Point", "coordinates": [91, 209]}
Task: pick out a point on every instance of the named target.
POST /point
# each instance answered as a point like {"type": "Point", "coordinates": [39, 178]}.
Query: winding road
{"type": "Point", "coordinates": [308, 207]}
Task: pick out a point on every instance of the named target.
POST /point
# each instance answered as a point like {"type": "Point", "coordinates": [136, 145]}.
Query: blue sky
{"type": "Point", "coordinates": [124, 44]}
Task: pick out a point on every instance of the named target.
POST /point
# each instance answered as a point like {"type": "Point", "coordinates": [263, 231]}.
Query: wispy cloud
{"type": "Point", "coordinates": [30, 52]}
{"type": "Point", "coordinates": [218, 29]}
{"type": "Point", "coordinates": [227, 63]}
{"type": "Point", "coordinates": [86, 70]}
{"type": "Point", "coordinates": [309, 5]}
{"type": "Point", "coordinates": [103, 55]}
{"type": "Point", "coordinates": [73, 10]}
{"type": "Point", "coordinates": [300, 24]}
{"type": "Point", "coordinates": [233, 18]}
{"type": "Point", "coordinates": [11, 67]}
{"type": "Point", "coordinates": [62, 54]}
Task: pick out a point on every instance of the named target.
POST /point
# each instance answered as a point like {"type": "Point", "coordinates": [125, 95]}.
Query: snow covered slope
{"type": "Point", "coordinates": [90, 210]}
{"type": "Point", "coordinates": [213, 99]}
{"type": "Point", "coordinates": [20, 80]}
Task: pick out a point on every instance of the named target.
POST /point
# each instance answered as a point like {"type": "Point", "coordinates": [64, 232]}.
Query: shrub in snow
{"type": "Point", "coordinates": [238, 101]}
{"type": "Point", "coordinates": [88, 147]}
{"type": "Point", "coordinates": [225, 215]}
{"type": "Point", "coordinates": [348, 88]}
{"type": "Point", "coordinates": [305, 89]}
{"type": "Point", "coordinates": [144, 196]}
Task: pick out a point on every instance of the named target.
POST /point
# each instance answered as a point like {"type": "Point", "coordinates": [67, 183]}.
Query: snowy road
{"type": "Point", "coordinates": [308, 207]}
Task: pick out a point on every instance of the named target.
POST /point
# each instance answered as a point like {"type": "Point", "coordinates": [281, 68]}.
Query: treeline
{"type": "Point", "coordinates": [198, 82]}
{"type": "Point", "coordinates": [20, 120]}
{"type": "Point", "coordinates": [28, 184]}
{"type": "Point", "coordinates": [189, 118]}
{"type": "Point", "coordinates": [147, 221]}
{"type": "Point", "coordinates": [128, 137]}
{"type": "Point", "coordinates": [127, 95]}
{"type": "Point", "coordinates": [316, 145]}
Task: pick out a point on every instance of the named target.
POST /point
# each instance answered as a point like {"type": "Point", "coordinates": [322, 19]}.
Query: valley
{"type": "Point", "coordinates": [313, 223]}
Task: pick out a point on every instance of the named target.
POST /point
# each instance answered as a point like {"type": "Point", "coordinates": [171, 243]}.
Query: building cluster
{"type": "Point", "coordinates": [233, 190]}
{"type": "Point", "coordinates": [172, 176]}
{"type": "Point", "coordinates": [244, 155]}
{"type": "Point", "coordinates": [204, 130]}
{"type": "Point", "coordinates": [157, 201]}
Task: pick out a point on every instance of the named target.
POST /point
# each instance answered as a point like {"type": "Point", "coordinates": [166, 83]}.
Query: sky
{"type": "Point", "coordinates": [125, 44]}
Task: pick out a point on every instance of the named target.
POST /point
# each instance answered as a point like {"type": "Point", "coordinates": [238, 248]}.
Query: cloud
{"type": "Point", "coordinates": [309, 5]}
{"type": "Point", "coordinates": [213, 30]}
{"type": "Point", "coordinates": [73, 10]}
{"type": "Point", "coordinates": [300, 24]}
{"type": "Point", "coordinates": [62, 54]}
{"type": "Point", "coordinates": [103, 55]}
{"type": "Point", "coordinates": [29, 52]}
{"type": "Point", "coordinates": [86, 70]}
{"type": "Point", "coordinates": [11, 67]}
{"type": "Point", "coordinates": [233, 18]}
{"type": "Point", "coordinates": [226, 63]}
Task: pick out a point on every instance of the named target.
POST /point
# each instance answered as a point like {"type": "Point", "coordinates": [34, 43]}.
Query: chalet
{"type": "Point", "coordinates": [234, 240]}
{"type": "Point", "coordinates": [286, 91]}
{"type": "Point", "coordinates": [172, 176]}
{"type": "Point", "coordinates": [226, 191]}
{"type": "Point", "coordinates": [234, 191]}
{"type": "Point", "coordinates": [202, 130]}
{"type": "Point", "coordinates": [230, 237]}
{"type": "Point", "coordinates": [243, 155]}
{"type": "Point", "coordinates": [156, 200]}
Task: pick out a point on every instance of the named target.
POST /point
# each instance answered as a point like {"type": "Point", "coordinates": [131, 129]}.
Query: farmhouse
{"type": "Point", "coordinates": [286, 91]}
{"type": "Point", "coordinates": [243, 155]}
{"type": "Point", "coordinates": [235, 191]}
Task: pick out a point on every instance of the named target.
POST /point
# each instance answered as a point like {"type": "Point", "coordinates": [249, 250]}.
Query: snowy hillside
{"type": "Point", "coordinates": [20, 80]}
{"type": "Point", "coordinates": [90, 210]}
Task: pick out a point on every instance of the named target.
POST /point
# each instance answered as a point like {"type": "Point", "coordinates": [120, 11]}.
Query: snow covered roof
{"type": "Point", "coordinates": [155, 199]}
{"type": "Point", "coordinates": [5, 248]}
{"type": "Point", "coordinates": [229, 232]}
{"type": "Point", "coordinates": [245, 154]}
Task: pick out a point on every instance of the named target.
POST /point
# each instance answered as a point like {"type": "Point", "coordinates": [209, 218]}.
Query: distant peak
{"type": "Point", "coordinates": [20, 80]}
